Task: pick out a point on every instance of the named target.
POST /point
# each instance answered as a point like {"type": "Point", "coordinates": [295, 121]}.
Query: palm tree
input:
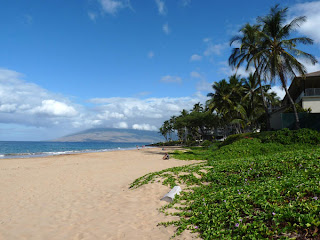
{"type": "Point", "coordinates": [250, 43]}
{"type": "Point", "coordinates": [278, 53]}
{"type": "Point", "coordinates": [163, 131]}
{"type": "Point", "coordinates": [252, 100]}
{"type": "Point", "coordinates": [226, 99]}
{"type": "Point", "coordinates": [197, 107]}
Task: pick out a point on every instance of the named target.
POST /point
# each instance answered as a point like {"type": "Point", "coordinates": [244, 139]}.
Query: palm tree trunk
{"type": "Point", "coordinates": [264, 100]}
{"type": "Point", "coordinates": [297, 124]}
{"type": "Point", "coordinates": [265, 105]}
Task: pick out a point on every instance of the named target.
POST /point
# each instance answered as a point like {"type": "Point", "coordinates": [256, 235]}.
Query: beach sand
{"type": "Point", "coordinates": [84, 196]}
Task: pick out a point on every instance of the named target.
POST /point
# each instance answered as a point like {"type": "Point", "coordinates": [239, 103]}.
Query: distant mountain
{"type": "Point", "coordinates": [113, 135]}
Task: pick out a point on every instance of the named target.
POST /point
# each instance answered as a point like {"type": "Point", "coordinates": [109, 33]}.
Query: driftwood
{"type": "Point", "coordinates": [170, 195]}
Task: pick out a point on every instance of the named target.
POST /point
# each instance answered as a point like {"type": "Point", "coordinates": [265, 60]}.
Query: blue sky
{"type": "Point", "coordinates": [66, 66]}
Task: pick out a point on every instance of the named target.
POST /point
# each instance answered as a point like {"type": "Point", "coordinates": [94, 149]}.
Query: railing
{"type": "Point", "coordinates": [309, 92]}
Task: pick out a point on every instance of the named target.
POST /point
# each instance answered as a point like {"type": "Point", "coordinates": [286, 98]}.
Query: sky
{"type": "Point", "coordinates": [66, 66]}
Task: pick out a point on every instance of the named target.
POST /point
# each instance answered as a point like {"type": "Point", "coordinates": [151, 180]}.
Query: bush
{"type": "Point", "coordinates": [286, 136]}
{"type": "Point", "coordinates": [206, 143]}
{"type": "Point", "coordinates": [170, 143]}
{"type": "Point", "coordinates": [233, 138]}
{"type": "Point", "coordinates": [191, 143]}
{"type": "Point", "coordinates": [299, 109]}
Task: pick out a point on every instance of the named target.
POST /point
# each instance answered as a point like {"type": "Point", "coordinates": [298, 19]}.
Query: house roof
{"type": "Point", "coordinates": [298, 84]}
{"type": "Point", "coordinates": [313, 74]}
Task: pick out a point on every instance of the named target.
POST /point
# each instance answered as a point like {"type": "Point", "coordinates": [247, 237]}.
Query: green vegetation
{"type": "Point", "coordinates": [240, 105]}
{"type": "Point", "coordinates": [268, 47]}
{"type": "Point", "coordinates": [234, 107]}
{"type": "Point", "coordinates": [253, 186]}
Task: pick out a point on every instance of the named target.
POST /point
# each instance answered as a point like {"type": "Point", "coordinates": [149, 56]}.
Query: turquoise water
{"type": "Point", "coordinates": [39, 149]}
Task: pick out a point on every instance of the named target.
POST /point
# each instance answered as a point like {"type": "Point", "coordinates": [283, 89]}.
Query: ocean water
{"type": "Point", "coordinates": [40, 149]}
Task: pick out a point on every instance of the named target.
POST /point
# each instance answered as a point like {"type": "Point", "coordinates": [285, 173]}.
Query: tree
{"type": "Point", "coordinates": [250, 44]}
{"type": "Point", "coordinates": [278, 53]}
{"type": "Point", "coordinates": [252, 100]}
{"type": "Point", "coordinates": [226, 101]}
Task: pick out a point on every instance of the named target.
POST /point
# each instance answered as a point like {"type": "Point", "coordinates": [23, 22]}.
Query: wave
{"type": "Point", "coordinates": [44, 154]}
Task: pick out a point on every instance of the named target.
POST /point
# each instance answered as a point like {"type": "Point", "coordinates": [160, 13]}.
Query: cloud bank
{"type": "Point", "coordinates": [25, 105]}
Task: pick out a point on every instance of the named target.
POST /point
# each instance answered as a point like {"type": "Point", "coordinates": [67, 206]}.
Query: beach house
{"type": "Point", "coordinates": [305, 92]}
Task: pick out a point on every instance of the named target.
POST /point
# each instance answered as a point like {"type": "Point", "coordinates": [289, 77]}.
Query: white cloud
{"type": "Point", "coordinates": [150, 54]}
{"type": "Point", "coordinates": [111, 6]}
{"type": "Point", "coordinates": [144, 126]}
{"type": "Point", "coordinates": [152, 111]}
{"type": "Point", "coordinates": [55, 108]}
{"type": "Point", "coordinates": [107, 115]}
{"type": "Point", "coordinates": [243, 72]}
{"type": "Point", "coordinates": [8, 108]}
{"type": "Point", "coordinates": [120, 125]}
{"type": "Point", "coordinates": [309, 66]}
{"type": "Point", "coordinates": [195, 57]}
{"type": "Point", "coordinates": [29, 106]}
{"type": "Point", "coordinates": [204, 86]}
{"type": "Point", "coordinates": [279, 91]}
{"type": "Point", "coordinates": [195, 75]}
{"type": "Point", "coordinates": [311, 10]}
{"type": "Point", "coordinates": [93, 16]}
{"type": "Point", "coordinates": [227, 70]}
{"type": "Point", "coordinates": [171, 79]}
{"type": "Point", "coordinates": [166, 28]}
{"type": "Point", "coordinates": [214, 49]}
{"type": "Point", "coordinates": [161, 7]}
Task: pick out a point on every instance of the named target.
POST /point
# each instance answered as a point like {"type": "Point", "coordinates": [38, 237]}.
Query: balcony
{"type": "Point", "coordinates": [308, 92]}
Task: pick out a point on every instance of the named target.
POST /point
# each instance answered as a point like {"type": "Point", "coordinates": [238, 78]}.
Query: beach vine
{"type": "Point", "coordinates": [257, 188]}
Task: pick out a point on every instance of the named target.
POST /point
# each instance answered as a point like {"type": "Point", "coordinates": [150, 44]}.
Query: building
{"type": "Point", "coordinates": [306, 92]}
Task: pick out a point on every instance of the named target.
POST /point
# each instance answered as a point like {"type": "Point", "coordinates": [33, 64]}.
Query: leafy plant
{"type": "Point", "coordinates": [253, 188]}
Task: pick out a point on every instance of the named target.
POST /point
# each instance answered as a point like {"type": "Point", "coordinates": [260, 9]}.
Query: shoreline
{"type": "Point", "coordinates": [85, 196]}
{"type": "Point", "coordinates": [59, 153]}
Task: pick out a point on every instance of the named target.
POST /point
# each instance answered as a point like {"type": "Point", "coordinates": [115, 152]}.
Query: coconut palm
{"type": "Point", "coordinates": [252, 100]}
{"type": "Point", "coordinates": [220, 99]}
{"type": "Point", "coordinates": [249, 42]}
{"type": "Point", "coordinates": [226, 100]}
{"type": "Point", "coordinates": [278, 54]}
{"type": "Point", "coordinates": [197, 107]}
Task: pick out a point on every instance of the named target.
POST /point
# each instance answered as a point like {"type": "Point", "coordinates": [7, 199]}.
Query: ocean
{"type": "Point", "coordinates": [40, 149]}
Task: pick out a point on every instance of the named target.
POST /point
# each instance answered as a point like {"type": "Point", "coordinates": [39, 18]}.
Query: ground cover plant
{"type": "Point", "coordinates": [252, 188]}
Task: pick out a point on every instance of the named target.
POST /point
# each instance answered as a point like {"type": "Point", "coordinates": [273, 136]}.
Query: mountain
{"type": "Point", "coordinates": [113, 135]}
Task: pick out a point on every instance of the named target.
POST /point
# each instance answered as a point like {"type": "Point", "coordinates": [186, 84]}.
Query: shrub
{"type": "Point", "coordinates": [299, 109]}
{"type": "Point", "coordinates": [233, 138]}
{"type": "Point", "coordinates": [190, 143]}
{"type": "Point", "coordinates": [286, 136]}
{"type": "Point", "coordinates": [206, 143]}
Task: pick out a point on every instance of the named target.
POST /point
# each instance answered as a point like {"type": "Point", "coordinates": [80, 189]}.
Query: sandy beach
{"type": "Point", "coordinates": [84, 196]}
